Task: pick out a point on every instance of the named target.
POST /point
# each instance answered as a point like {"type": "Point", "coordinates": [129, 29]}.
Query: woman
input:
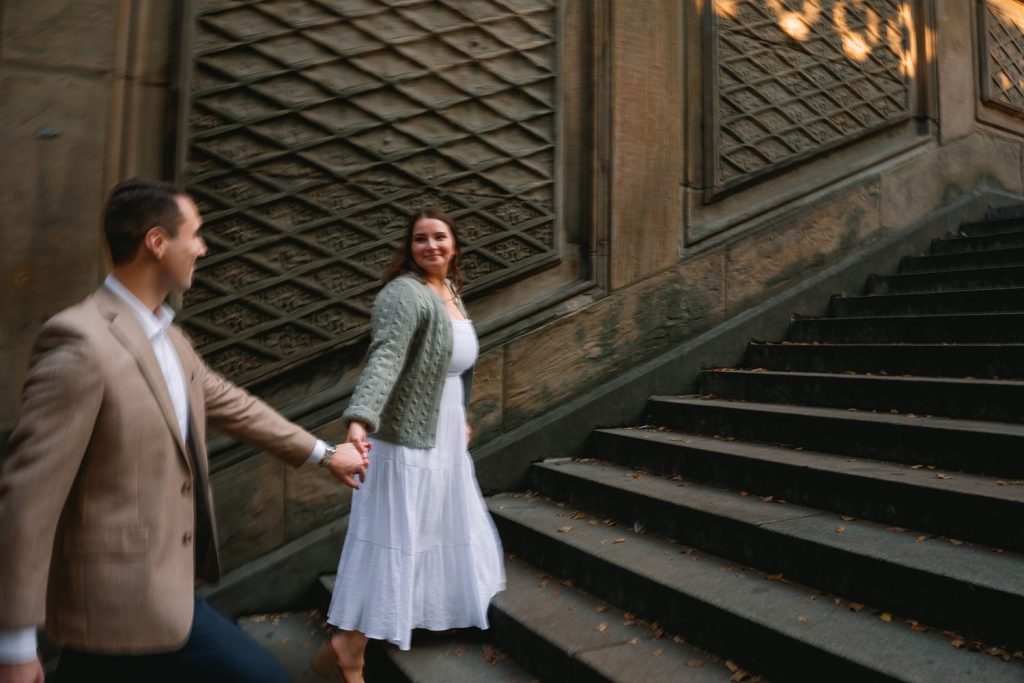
{"type": "Point", "coordinates": [421, 549]}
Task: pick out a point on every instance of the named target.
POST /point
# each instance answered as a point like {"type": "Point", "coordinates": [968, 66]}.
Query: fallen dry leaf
{"type": "Point", "coordinates": [633, 641]}
{"type": "Point", "coordinates": [601, 628]}
{"type": "Point", "coordinates": [998, 652]}
{"type": "Point", "coordinates": [732, 666]}
{"type": "Point", "coordinates": [564, 529]}
{"type": "Point", "coordinates": [940, 475]}
{"type": "Point", "coordinates": [885, 616]}
{"type": "Point", "coordinates": [846, 518]}
{"type": "Point", "coordinates": [955, 541]}
{"type": "Point", "coordinates": [492, 654]}
{"type": "Point", "coordinates": [619, 540]}
{"type": "Point", "coordinates": [803, 619]}
{"type": "Point", "coordinates": [695, 663]}
{"type": "Point", "coordinates": [840, 529]}
{"type": "Point", "coordinates": [657, 653]}
{"type": "Point", "coordinates": [957, 643]}
{"type": "Point", "coordinates": [920, 538]}
{"type": "Point", "coordinates": [744, 493]}
{"type": "Point", "coordinates": [602, 607]}
{"type": "Point", "coordinates": [855, 606]}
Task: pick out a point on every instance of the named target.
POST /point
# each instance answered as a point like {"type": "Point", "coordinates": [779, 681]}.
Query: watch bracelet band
{"type": "Point", "coordinates": [329, 452]}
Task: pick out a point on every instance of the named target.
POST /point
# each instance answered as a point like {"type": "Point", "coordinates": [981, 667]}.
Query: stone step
{"type": "Point", "coordinates": [992, 448]}
{"type": "Point", "coordinates": [928, 303]}
{"type": "Point", "coordinates": [562, 633]}
{"type": "Point", "coordinates": [1008, 221]}
{"type": "Point", "coordinates": [443, 659]}
{"type": "Point", "coordinates": [963, 245]}
{"type": "Point", "coordinates": [961, 506]}
{"type": "Point", "coordinates": [969, 589]}
{"type": "Point", "coordinates": [292, 638]}
{"type": "Point", "coordinates": [974, 328]}
{"type": "Point", "coordinates": [971, 399]}
{"type": "Point", "coordinates": [456, 655]}
{"type": "Point", "coordinates": [779, 630]}
{"type": "Point", "coordinates": [1001, 212]}
{"type": "Point", "coordinates": [971, 260]}
{"type": "Point", "coordinates": [967, 360]}
{"type": "Point", "coordinates": [959, 280]}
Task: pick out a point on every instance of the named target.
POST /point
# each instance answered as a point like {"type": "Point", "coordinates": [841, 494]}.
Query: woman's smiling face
{"type": "Point", "coordinates": [432, 246]}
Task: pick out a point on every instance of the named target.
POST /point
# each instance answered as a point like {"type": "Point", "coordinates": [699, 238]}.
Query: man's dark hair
{"type": "Point", "coordinates": [134, 207]}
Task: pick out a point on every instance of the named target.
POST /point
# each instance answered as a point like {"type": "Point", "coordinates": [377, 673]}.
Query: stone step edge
{"type": "Point", "coordinates": [986, 427]}
{"type": "Point", "coordinates": [934, 478]}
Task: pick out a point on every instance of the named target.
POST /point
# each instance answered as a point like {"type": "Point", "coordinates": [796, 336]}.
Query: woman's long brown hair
{"type": "Point", "coordinates": [403, 261]}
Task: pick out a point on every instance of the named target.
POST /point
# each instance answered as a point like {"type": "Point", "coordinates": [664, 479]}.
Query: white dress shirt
{"type": "Point", "coordinates": [20, 645]}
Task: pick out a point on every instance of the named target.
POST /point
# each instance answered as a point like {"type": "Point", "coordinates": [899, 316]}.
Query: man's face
{"type": "Point", "coordinates": [185, 248]}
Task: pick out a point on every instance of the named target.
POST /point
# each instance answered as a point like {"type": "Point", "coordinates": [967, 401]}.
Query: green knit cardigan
{"type": "Point", "coordinates": [398, 395]}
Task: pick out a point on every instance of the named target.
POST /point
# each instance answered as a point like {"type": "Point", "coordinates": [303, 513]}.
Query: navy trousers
{"type": "Point", "coordinates": [216, 650]}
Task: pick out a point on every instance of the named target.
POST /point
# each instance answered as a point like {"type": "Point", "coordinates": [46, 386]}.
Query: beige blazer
{"type": "Point", "coordinates": [98, 492]}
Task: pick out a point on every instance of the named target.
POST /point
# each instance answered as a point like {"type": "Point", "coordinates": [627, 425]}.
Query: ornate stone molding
{"type": "Point", "coordinates": [315, 127]}
{"type": "Point", "coordinates": [787, 80]}
{"type": "Point", "coordinates": [1001, 25]}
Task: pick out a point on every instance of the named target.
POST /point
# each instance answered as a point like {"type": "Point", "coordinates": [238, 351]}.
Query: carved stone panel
{"type": "Point", "coordinates": [1002, 60]}
{"type": "Point", "coordinates": [316, 127]}
{"type": "Point", "coordinates": [789, 79]}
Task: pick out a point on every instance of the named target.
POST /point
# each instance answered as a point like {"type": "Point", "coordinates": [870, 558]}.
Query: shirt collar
{"type": "Point", "coordinates": [152, 325]}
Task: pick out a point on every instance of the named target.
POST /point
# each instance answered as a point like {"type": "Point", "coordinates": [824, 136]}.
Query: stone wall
{"type": "Point", "coordinates": [691, 160]}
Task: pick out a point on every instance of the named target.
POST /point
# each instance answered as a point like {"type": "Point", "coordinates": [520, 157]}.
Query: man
{"type": "Point", "coordinates": [106, 515]}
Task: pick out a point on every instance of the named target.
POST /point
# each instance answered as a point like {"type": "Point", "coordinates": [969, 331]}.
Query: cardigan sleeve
{"type": "Point", "coordinates": [395, 319]}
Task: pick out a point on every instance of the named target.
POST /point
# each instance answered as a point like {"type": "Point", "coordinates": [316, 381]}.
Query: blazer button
{"type": "Point", "coordinates": [187, 538]}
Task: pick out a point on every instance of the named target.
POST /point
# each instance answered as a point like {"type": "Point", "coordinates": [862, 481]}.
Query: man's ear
{"type": "Point", "coordinates": [155, 242]}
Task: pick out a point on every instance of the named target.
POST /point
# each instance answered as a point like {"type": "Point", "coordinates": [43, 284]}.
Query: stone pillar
{"type": "Point", "coordinates": [645, 180]}
{"type": "Point", "coordinates": [83, 98]}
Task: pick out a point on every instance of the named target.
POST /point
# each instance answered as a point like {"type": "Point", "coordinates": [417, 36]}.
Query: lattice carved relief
{"type": "Point", "coordinates": [315, 127]}
{"type": "Point", "coordinates": [1002, 64]}
{"type": "Point", "coordinates": [789, 79]}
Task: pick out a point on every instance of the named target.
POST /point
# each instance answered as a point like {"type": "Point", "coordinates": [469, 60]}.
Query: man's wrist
{"type": "Point", "coordinates": [329, 452]}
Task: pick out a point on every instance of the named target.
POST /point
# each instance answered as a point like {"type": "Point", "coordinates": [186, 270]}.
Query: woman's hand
{"type": "Point", "coordinates": [469, 433]}
{"type": "Point", "coordinates": [357, 436]}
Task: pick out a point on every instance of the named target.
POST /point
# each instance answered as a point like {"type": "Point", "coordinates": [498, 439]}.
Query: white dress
{"type": "Point", "coordinates": [421, 549]}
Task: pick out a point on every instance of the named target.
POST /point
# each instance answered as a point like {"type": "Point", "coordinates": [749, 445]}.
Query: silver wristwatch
{"type": "Point", "coordinates": [329, 452]}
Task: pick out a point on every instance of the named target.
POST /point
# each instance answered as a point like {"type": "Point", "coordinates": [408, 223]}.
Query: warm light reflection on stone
{"type": "Point", "coordinates": [903, 41]}
{"type": "Point", "coordinates": [855, 48]}
{"type": "Point", "coordinates": [1004, 80]}
{"type": "Point", "coordinates": [796, 25]}
{"type": "Point", "coordinates": [1013, 10]}
{"type": "Point", "coordinates": [726, 8]}
{"type": "Point", "coordinates": [858, 44]}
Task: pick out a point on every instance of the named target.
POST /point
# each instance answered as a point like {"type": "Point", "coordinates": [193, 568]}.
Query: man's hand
{"type": "Point", "coordinates": [29, 672]}
{"type": "Point", "coordinates": [347, 464]}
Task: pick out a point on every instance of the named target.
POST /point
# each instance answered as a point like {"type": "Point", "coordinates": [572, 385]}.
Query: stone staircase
{"type": "Point", "coordinates": [848, 505]}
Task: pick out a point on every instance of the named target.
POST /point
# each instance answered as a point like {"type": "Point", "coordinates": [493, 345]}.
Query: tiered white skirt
{"type": "Point", "coordinates": [421, 549]}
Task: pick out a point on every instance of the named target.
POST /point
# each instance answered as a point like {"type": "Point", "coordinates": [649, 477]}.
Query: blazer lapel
{"type": "Point", "coordinates": [127, 330]}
